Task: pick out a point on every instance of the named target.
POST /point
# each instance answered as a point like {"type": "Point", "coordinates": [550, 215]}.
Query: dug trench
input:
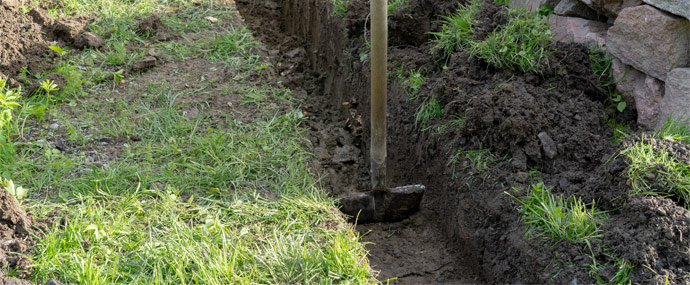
{"type": "Point", "coordinates": [550, 127]}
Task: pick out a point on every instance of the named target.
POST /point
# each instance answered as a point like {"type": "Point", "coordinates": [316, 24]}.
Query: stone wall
{"type": "Point", "coordinates": [649, 41]}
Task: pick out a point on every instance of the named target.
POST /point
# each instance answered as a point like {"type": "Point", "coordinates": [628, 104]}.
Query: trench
{"type": "Point", "coordinates": [467, 230]}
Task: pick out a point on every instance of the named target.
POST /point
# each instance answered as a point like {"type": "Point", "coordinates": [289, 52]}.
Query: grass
{"type": "Point", "coordinates": [339, 7]}
{"type": "Point", "coordinates": [398, 7]}
{"type": "Point", "coordinates": [411, 81]}
{"type": "Point", "coordinates": [653, 171]}
{"type": "Point", "coordinates": [674, 130]}
{"type": "Point", "coordinates": [238, 203]}
{"type": "Point", "coordinates": [555, 218]}
{"type": "Point", "coordinates": [479, 160]}
{"type": "Point", "coordinates": [602, 67]}
{"type": "Point", "coordinates": [457, 30]}
{"type": "Point", "coordinates": [521, 44]}
{"type": "Point", "coordinates": [429, 110]}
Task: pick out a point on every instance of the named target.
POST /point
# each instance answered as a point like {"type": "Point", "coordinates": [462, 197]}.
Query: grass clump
{"type": "Point", "coordinates": [339, 7]}
{"type": "Point", "coordinates": [397, 7]}
{"type": "Point", "coordinates": [458, 29]}
{"type": "Point", "coordinates": [411, 82]}
{"type": "Point", "coordinates": [657, 172]}
{"type": "Point", "coordinates": [556, 218]}
{"type": "Point", "coordinates": [675, 130]}
{"type": "Point", "coordinates": [429, 110]}
{"type": "Point", "coordinates": [521, 44]}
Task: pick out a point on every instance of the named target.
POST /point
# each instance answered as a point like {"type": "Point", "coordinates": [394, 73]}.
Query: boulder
{"type": "Point", "coordinates": [651, 40]}
{"type": "Point", "coordinates": [678, 7]}
{"type": "Point", "coordinates": [644, 91]}
{"type": "Point", "coordinates": [611, 8]}
{"type": "Point", "coordinates": [676, 101]}
{"type": "Point", "coordinates": [532, 5]}
{"type": "Point", "coordinates": [575, 8]}
{"type": "Point", "coordinates": [578, 30]}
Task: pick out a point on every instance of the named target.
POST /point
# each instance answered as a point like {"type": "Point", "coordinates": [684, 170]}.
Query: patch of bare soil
{"type": "Point", "coordinates": [15, 239]}
{"type": "Point", "coordinates": [547, 128]}
{"type": "Point", "coordinates": [26, 37]}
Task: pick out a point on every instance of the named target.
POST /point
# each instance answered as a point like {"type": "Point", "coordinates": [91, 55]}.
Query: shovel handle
{"type": "Point", "coordinates": [379, 87]}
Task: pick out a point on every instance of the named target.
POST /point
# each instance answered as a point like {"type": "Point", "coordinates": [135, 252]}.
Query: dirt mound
{"type": "Point", "coordinates": [26, 37]}
{"type": "Point", "coordinates": [15, 239]}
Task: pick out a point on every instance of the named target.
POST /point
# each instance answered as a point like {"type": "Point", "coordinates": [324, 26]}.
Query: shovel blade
{"type": "Point", "coordinates": [392, 205]}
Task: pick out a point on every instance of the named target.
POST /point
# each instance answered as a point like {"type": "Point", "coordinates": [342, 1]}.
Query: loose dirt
{"type": "Point", "coordinates": [15, 239]}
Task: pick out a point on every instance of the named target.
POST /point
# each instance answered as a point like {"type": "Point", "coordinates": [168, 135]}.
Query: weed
{"type": "Point", "coordinates": [411, 82]}
{"type": "Point", "coordinates": [674, 129]}
{"type": "Point", "coordinates": [504, 2]}
{"type": "Point", "coordinates": [657, 172]}
{"type": "Point", "coordinates": [9, 101]}
{"type": "Point", "coordinates": [521, 44]}
{"type": "Point", "coordinates": [623, 267]}
{"type": "Point", "coordinates": [457, 30]}
{"type": "Point", "coordinates": [339, 7]}
{"type": "Point", "coordinates": [555, 218]}
{"type": "Point", "coordinates": [429, 110]}
{"type": "Point", "coordinates": [620, 130]}
{"type": "Point", "coordinates": [479, 160]}
{"type": "Point", "coordinates": [602, 67]}
{"type": "Point", "coordinates": [397, 7]}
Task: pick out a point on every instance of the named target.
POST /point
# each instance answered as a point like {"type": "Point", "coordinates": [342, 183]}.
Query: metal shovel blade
{"type": "Point", "coordinates": [392, 205]}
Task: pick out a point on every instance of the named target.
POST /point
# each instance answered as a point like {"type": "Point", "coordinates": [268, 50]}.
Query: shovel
{"type": "Point", "coordinates": [381, 203]}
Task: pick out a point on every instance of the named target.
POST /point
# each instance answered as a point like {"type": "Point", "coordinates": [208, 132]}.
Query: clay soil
{"type": "Point", "coordinates": [468, 230]}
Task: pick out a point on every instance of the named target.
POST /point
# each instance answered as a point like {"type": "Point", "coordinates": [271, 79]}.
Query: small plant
{"type": "Point", "coordinates": [602, 67]}
{"type": "Point", "coordinates": [504, 2]}
{"type": "Point", "coordinates": [458, 29]}
{"type": "Point", "coordinates": [8, 103]}
{"type": "Point", "coordinates": [620, 130]}
{"type": "Point", "coordinates": [397, 7]}
{"type": "Point", "coordinates": [521, 44]}
{"type": "Point", "coordinates": [339, 7]}
{"type": "Point", "coordinates": [49, 86]}
{"type": "Point", "coordinates": [480, 160]}
{"type": "Point", "coordinates": [674, 130]}
{"type": "Point", "coordinates": [427, 111]}
{"type": "Point", "coordinates": [411, 82]}
{"type": "Point", "coordinates": [555, 218]}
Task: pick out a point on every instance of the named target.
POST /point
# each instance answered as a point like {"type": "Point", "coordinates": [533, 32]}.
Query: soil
{"type": "Point", "coordinates": [26, 37]}
{"type": "Point", "coordinates": [15, 239]}
{"type": "Point", "coordinates": [549, 127]}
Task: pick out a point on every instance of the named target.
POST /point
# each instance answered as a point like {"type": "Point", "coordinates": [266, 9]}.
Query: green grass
{"type": "Point", "coordinates": [521, 44]}
{"type": "Point", "coordinates": [674, 130]}
{"type": "Point", "coordinates": [411, 81]}
{"type": "Point", "coordinates": [398, 7]}
{"type": "Point", "coordinates": [479, 160]}
{"type": "Point", "coordinates": [339, 7]}
{"type": "Point", "coordinates": [555, 218]}
{"type": "Point", "coordinates": [457, 30]}
{"type": "Point", "coordinates": [602, 65]}
{"type": "Point", "coordinates": [657, 172]}
{"type": "Point", "coordinates": [239, 204]}
{"type": "Point", "coordinates": [428, 111]}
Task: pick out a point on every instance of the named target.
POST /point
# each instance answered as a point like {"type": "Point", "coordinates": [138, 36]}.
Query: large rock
{"type": "Point", "coordinates": [644, 91]}
{"type": "Point", "coordinates": [571, 29]}
{"type": "Point", "coordinates": [532, 5]}
{"type": "Point", "coordinates": [676, 102]}
{"type": "Point", "coordinates": [611, 8]}
{"type": "Point", "coordinates": [678, 7]}
{"type": "Point", "coordinates": [575, 8]}
{"type": "Point", "coordinates": [652, 41]}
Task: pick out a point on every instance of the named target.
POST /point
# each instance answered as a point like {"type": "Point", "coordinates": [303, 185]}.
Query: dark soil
{"type": "Point", "coordinates": [26, 38]}
{"type": "Point", "coordinates": [15, 239]}
{"type": "Point", "coordinates": [549, 127]}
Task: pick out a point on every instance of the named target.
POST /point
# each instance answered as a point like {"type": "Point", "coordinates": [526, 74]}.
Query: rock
{"type": "Point", "coordinates": [652, 41]}
{"type": "Point", "coordinates": [611, 8]}
{"type": "Point", "coordinates": [578, 30]}
{"type": "Point", "coordinates": [54, 126]}
{"type": "Point", "coordinates": [644, 91]}
{"type": "Point", "coordinates": [678, 7]}
{"type": "Point", "coordinates": [575, 8]}
{"type": "Point", "coordinates": [88, 40]}
{"type": "Point", "coordinates": [144, 64]}
{"type": "Point", "coordinates": [532, 5]}
{"type": "Point", "coordinates": [676, 102]}
{"type": "Point", "coordinates": [53, 282]}
{"type": "Point", "coordinates": [548, 145]}
{"type": "Point", "coordinates": [519, 161]}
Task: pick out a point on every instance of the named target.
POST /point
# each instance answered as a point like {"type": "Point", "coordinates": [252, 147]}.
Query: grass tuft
{"type": "Point", "coordinates": [674, 130]}
{"type": "Point", "coordinates": [429, 110]}
{"type": "Point", "coordinates": [457, 30]}
{"type": "Point", "coordinates": [556, 219]}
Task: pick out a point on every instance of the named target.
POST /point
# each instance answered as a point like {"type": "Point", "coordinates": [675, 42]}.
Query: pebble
{"type": "Point", "coordinates": [54, 126]}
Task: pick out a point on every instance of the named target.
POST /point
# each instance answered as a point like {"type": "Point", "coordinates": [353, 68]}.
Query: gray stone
{"type": "Point", "coordinates": [548, 145]}
{"type": "Point", "coordinates": [676, 102]}
{"type": "Point", "coordinates": [532, 5]}
{"type": "Point", "coordinates": [639, 90]}
{"type": "Point", "coordinates": [650, 40]}
{"type": "Point", "coordinates": [678, 7]}
{"type": "Point", "coordinates": [53, 282]}
{"type": "Point", "coordinates": [578, 30]}
{"type": "Point", "coordinates": [611, 8]}
{"type": "Point", "coordinates": [575, 8]}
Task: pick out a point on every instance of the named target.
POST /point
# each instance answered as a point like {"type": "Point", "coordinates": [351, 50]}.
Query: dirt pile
{"type": "Point", "coordinates": [28, 31]}
{"type": "Point", "coordinates": [15, 239]}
